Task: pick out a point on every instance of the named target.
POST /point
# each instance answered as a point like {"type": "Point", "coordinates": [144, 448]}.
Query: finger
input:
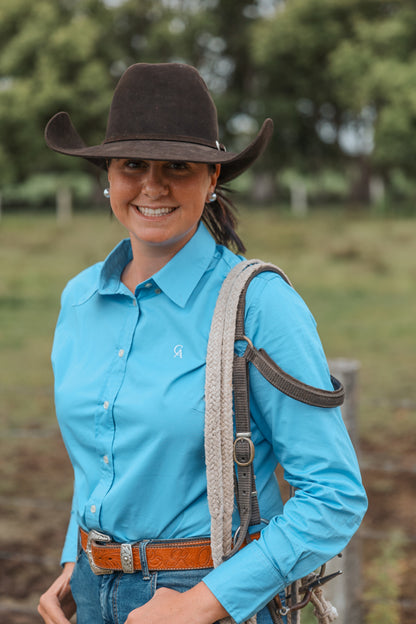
{"type": "Point", "coordinates": [50, 610]}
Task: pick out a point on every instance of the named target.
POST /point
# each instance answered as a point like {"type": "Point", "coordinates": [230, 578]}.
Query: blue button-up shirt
{"type": "Point", "coordinates": [129, 390]}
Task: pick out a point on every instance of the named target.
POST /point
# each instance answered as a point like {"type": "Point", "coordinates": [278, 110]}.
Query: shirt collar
{"type": "Point", "coordinates": [177, 279]}
{"type": "Point", "coordinates": [112, 268]}
{"type": "Point", "coordinates": [180, 276]}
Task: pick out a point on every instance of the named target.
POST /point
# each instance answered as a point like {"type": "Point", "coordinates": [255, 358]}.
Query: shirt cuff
{"type": "Point", "coordinates": [245, 583]}
{"type": "Point", "coordinates": [70, 550]}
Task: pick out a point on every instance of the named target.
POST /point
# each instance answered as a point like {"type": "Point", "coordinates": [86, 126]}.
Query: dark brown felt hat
{"type": "Point", "coordinates": [160, 111]}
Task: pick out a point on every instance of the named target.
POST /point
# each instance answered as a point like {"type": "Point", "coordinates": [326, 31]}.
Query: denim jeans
{"type": "Point", "coordinates": [108, 599]}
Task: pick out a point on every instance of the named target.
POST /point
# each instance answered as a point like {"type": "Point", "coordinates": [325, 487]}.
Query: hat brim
{"type": "Point", "coordinates": [61, 136]}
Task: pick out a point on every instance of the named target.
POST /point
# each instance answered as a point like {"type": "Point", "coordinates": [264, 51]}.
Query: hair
{"type": "Point", "coordinates": [220, 218]}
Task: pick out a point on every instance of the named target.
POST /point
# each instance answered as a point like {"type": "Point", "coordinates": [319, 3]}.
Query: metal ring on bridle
{"type": "Point", "coordinates": [247, 339]}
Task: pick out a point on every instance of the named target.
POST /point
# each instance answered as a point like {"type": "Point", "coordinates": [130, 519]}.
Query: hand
{"type": "Point", "coordinates": [56, 605]}
{"type": "Point", "coordinates": [197, 605]}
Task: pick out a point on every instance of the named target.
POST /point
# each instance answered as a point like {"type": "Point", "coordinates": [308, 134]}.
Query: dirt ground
{"type": "Point", "coordinates": [32, 528]}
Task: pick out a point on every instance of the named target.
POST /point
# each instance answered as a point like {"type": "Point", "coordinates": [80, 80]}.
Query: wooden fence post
{"type": "Point", "coordinates": [63, 205]}
{"type": "Point", "coordinates": [298, 199]}
{"type": "Point", "coordinates": [345, 591]}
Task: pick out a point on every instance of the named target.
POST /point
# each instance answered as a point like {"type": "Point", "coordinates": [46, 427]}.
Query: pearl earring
{"type": "Point", "coordinates": [213, 197]}
{"type": "Point", "coordinates": [106, 193]}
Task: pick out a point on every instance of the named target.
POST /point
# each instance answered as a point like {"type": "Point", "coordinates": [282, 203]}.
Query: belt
{"type": "Point", "coordinates": [106, 556]}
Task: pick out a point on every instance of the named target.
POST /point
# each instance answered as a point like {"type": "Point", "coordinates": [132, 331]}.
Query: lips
{"type": "Point", "coordinates": [154, 212]}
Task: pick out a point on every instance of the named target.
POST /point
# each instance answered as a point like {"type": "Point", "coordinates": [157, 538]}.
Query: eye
{"type": "Point", "coordinates": [178, 166]}
{"type": "Point", "coordinates": [128, 164]}
{"type": "Point", "coordinates": [135, 164]}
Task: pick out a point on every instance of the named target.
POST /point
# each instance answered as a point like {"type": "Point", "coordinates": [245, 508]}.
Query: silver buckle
{"type": "Point", "coordinates": [95, 536]}
{"type": "Point", "coordinates": [126, 556]}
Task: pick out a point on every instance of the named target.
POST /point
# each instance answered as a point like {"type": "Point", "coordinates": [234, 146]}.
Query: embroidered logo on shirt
{"type": "Point", "coordinates": [178, 351]}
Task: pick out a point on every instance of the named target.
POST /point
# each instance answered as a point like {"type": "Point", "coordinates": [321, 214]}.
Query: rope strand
{"type": "Point", "coordinates": [219, 413]}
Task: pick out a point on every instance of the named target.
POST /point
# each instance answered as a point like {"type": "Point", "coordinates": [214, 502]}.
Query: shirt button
{"type": "Point", "coordinates": [148, 285]}
{"type": "Point", "coordinates": [158, 291]}
{"type": "Point", "coordinates": [93, 508]}
{"type": "Point", "coordinates": [105, 459]}
{"type": "Point", "coordinates": [121, 353]}
{"type": "Point", "coordinates": [106, 405]}
{"type": "Point", "coordinates": [134, 302]}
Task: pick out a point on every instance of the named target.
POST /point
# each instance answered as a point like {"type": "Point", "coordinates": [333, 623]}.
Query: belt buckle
{"type": "Point", "coordinates": [96, 536]}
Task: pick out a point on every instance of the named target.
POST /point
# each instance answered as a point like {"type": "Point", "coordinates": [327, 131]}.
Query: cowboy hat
{"type": "Point", "coordinates": [160, 111]}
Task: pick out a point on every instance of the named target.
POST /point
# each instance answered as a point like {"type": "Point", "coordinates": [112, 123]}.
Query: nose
{"type": "Point", "coordinates": [154, 184]}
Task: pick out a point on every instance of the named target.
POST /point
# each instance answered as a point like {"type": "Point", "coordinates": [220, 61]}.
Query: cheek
{"type": "Point", "coordinates": [196, 202]}
{"type": "Point", "coordinates": [121, 184]}
{"type": "Point", "coordinates": [196, 195]}
{"type": "Point", "coordinates": [121, 187]}
{"type": "Point", "coordinates": [120, 196]}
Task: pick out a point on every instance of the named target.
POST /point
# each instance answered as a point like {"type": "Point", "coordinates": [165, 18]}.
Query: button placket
{"type": "Point", "coordinates": [105, 424]}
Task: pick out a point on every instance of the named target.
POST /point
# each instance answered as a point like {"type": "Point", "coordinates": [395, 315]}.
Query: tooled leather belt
{"type": "Point", "coordinates": [106, 556]}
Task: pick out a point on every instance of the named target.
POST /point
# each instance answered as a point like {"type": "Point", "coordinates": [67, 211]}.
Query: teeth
{"type": "Point", "coordinates": [154, 212]}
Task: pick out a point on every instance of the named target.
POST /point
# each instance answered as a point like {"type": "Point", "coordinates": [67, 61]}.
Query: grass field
{"type": "Point", "coordinates": [356, 272]}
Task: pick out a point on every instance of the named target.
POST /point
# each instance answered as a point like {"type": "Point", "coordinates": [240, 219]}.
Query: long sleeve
{"type": "Point", "coordinates": [314, 449]}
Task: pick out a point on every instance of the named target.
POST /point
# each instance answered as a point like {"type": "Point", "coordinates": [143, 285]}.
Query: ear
{"type": "Point", "coordinates": [214, 177]}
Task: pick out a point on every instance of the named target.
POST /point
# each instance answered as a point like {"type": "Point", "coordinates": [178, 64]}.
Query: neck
{"type": "Point", "coordinates": [143, 265]}
{"type": "Point", "coordinates": [149, 259]}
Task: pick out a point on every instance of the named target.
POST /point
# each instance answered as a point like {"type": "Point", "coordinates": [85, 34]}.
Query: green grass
{"type": "Point", "coordinates": [358, 276]}
{"type": "Point", "coordinates": [37, 257]}
{"type": "Point", "coordinates": [357, 273]}
{"type": "Point", "coordinates": [385, 576]}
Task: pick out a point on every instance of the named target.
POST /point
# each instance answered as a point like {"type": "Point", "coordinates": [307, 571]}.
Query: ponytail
{"type": "Point", "coordinates": [220, 219]}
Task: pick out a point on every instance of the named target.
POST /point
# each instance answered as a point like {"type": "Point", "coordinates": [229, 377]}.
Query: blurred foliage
{"type": "Point", "coordinates": [329, 182]}
{"type": "Point", "coordinates": [41, 188]}
{"type": "Point", "coordinates": [338, 77]}
{"type": "Point", "coordinates": [54, 56]}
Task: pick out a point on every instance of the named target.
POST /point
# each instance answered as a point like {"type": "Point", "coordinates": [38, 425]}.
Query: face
{"type": "Point", "coordinates": [160, 202]}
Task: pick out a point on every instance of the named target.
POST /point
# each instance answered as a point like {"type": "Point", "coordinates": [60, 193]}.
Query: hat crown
{"type": "Point", "coordinates": [163, 112]}
{"type": "Point", "coordinates": [164, 101]}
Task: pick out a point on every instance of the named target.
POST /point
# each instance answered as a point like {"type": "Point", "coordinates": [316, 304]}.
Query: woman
{"type": "Point", "coordinates": [129, 364]}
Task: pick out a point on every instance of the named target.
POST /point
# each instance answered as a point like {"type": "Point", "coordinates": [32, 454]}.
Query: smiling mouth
{"type": "Point", "coordinates": [154, 212]}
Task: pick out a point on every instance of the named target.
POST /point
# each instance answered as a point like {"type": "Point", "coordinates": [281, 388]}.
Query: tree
{"type": "Point", "coordinates": [339, 78]}
{"type": "Point", "coordinates": [55, 56]}
{"type": "Point", "coordinates": [376, 73]}
{"type": "Point", "coordinates": [293, 52]}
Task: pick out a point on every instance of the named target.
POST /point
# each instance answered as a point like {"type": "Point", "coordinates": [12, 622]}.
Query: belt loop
{"type": "Point", "coordinates": [143, 559]}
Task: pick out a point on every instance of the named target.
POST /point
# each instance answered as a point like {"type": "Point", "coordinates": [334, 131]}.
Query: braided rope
{"type": "Point", "coordinates": [324, 611]}
{"type": "Point", "coordinates": [219, 413]}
